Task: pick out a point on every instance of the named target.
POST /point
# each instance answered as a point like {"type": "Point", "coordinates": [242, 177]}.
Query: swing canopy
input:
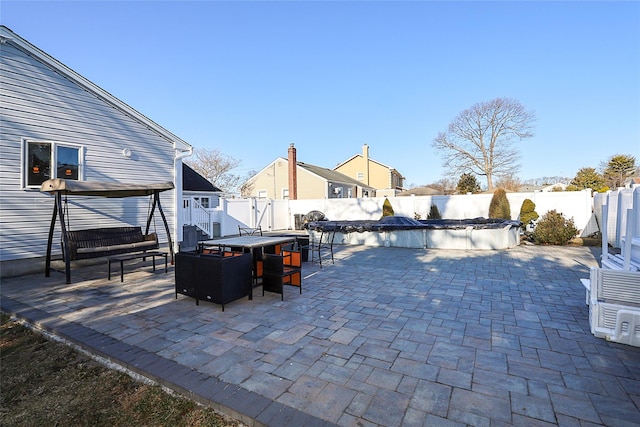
{"type": "Point", "coordinates": [104, 189]}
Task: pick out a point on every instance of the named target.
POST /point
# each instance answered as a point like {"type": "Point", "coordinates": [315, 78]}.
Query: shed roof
{"type": "Point", "coordinates": [193, 181]}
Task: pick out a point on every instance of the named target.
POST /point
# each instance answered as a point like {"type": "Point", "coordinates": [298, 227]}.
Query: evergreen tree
{"type": "Point", "coordinates": [499, 206]}
{"type": "Point", "coordinates": [434, 213]}
{"type": "Point", "coordinates": [618, 169]}
{"type": "Point", "coordinates": [387, 209]}
{"type": "Point", "coordinates": [468, 184]}
{"type": "Point", "coordinates": [589, 178]}
{"type": "Point", "coordinates": [528, 212]}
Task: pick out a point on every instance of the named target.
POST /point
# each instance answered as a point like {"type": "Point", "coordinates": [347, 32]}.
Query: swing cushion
{"type": "Point", "coordinates": [99, 242]}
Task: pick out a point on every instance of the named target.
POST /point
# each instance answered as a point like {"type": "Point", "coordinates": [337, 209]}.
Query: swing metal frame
{"type": "Point", "coordinates": [59, 187]}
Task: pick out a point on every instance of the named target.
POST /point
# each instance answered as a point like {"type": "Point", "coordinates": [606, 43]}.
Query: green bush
{"type": "Point", "coordinates": [434, 213]}
{"type": "Point", "coordinates": [528, 212]}
{"type": "Point", "coordinates": [387, 209]}
{"type": "Point", "coordinates": [554, 229]}
{"type": "Point", "coordinates": [499, 206]}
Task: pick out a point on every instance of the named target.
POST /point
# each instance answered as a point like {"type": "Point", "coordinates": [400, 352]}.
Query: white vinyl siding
{"type": "Point", "coordinates": [39, 104]}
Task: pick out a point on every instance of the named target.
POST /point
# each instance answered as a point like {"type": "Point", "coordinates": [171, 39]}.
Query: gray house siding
{"type": "Point", "coordinates": [40, 103]}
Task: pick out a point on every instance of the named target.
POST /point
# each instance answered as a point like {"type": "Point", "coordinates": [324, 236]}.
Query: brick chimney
{"type": "Point", "coordinates": [293, 173]}
{"type": "Point", "coordinates": [365, 157]}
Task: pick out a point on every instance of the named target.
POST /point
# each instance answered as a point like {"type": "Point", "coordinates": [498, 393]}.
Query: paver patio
{"type": "Point", "coordinates": [386, 336]}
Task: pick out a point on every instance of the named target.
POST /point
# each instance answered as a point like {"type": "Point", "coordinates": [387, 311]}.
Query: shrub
{"type": "Point", "coordinates": [417, 216]}
{"type": "Point", "coordinates": [528, 212]}
{"type": "Point", "coordinates": [554, 229]}
{"type": "Point", "coordinates": [434, 213]}
{"type": "Point", "coordinates": [499, 206]}
{"type": "Point", "coordinates": [387, 209]}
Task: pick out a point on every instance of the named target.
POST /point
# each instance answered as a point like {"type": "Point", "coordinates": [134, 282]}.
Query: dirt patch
{"type": "Point", "coordinates": [585, 241]}
{"type": "Point", "coordinates": [49, 383]}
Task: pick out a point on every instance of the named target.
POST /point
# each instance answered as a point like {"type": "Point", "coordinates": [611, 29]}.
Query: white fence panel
{"type": "Point", "coordinates": [273, 215]}
{"type": "Point", "coordinates": [234, 213]}
{"type": "Point", "coordinates": [281, 215]}
{"type": "Point", "coordinates": [617, 202]}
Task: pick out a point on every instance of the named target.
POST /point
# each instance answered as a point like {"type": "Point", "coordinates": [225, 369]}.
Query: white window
{"type": "Point", "coordinates": [45, 160]}
{"type": "Point", "coordinates": [204, 201]}
{"type": "Point", "coordinates": [262, 194]}
{"type": "Point", "coordinates": [360, 176]}
{"type": "Point", "coordinates": [285, 193]}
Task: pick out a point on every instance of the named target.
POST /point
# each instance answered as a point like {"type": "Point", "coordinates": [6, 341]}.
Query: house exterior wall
{"type": "Point", "coordinates": [271, 181]}
{"type": "Point", "coordinates": [380, 177]}
{"type": "Point", "coordinates": [352, 167]}
{"type": "Point", "coordinates": [311, 186]}
{"type": "Point", "coordinates": [39, 103]}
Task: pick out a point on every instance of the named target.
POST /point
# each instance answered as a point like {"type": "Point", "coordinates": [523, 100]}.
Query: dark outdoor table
{"type": "Point", "coordinates": [127, 257]}
{"type": "Point", "coordinates": [252, 243]}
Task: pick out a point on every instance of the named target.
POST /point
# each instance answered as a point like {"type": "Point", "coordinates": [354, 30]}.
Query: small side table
{"type": "Point", "coordinates": [127, 257]}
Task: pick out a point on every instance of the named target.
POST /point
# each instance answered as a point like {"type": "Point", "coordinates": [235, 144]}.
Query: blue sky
{"type": "Point", "coordinates": [249, 78]}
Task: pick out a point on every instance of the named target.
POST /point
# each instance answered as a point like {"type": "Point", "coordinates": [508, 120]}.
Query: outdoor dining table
{"type": "Point", "coordinates": [253, 244]}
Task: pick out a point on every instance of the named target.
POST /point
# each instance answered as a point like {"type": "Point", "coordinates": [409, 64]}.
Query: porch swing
{"type": "Point", "coordinates": [102, 242]}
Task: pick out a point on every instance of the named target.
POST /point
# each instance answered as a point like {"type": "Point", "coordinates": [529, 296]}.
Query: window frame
{"type": "Point", "coordinates": [204, 200]}
{"type": "Point", "coordinates": [53, 166]}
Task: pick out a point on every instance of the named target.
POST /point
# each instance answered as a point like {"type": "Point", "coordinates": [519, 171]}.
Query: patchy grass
{"type": "Point", "coordinates": [44, 383]}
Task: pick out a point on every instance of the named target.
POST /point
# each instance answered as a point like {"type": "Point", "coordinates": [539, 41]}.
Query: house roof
{"type": "Point", "coordinates": [421, 191]}
{"type": "Point", "coordinates": [193, 181]}
{"type": "Point", "coordinates": [324, 173]}
{"type": "Point", "coordinates": [332, 175]}
{"type": "Point", "coordinates": [545, 187]}
{"type": "Point", "coordinates": [8, 36]}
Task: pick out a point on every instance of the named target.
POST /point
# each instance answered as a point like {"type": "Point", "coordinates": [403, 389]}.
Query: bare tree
{"type": "Point", "coordinates": [509, 182]}
{"type": "Point", "coordinates": [216, 167]}
{"type": "Point", "coordinates": [446, 185]}
{"type": "Point", "coordinates": [480, 140]}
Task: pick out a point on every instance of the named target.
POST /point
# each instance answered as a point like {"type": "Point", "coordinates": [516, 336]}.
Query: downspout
{"type": "Point", "coordinates": [177, 202]}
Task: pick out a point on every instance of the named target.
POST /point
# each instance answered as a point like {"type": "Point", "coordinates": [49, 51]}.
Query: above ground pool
{"type": "Point", "coordinates": [399, 231]}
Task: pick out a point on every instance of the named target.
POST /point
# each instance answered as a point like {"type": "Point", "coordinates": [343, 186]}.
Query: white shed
{"type": "Point", "coordinates": [57, 124]}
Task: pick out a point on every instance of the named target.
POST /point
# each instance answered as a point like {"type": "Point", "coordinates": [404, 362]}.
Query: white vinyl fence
{"type": "Point", "coordinates": [619, 202]}
{"type": "Point", "coordinates": [276, 215]}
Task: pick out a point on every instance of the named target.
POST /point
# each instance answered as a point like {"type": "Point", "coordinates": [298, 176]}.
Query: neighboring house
{"type": "Point", "coordinates": [57, 124]}
{"type": "Point", "coordinates": [277, 179]}
{"type": "Point", "coordinates": [387, 180]}
{"type": "Point", "coordinates": [199, 189]}
{"type": "Point", "coordinates": [560, 186]}
{"type": "Point", "coordinates": [421, 191]}
{"type": "Point", "coordinates": [632, 182]}
{"type": "Point", "coordinates": [199, 200]}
